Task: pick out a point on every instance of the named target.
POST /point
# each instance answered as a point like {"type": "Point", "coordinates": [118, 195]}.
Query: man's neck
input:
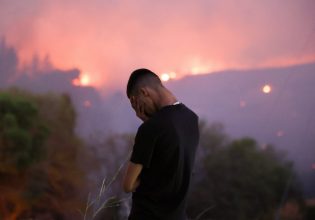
{"type": "Point", "coordinates": [166, 98]}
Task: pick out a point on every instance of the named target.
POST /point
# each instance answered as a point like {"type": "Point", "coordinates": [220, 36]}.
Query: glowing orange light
{"type": "Point", "coordinates": [198, 67]}
{"type": "Point", "coordinates": [172, 75]}
{"type": "Point", "coordinates": [266, 89]}
{"type": "Point", "coordinates": [83, 80]}
{"type": "Point", "coordinates": [195, 70]}
{"type": "Point", "coordinates": [165, 77]}
{"type": "Point", "coordinates": [76, 82]}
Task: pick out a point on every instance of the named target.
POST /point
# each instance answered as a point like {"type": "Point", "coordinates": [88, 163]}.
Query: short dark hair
{"type": "Point", "coordinates": [141, 77]}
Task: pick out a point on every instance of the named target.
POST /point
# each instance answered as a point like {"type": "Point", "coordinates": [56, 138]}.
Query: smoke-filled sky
{"type": "Point", "coordinates": [107, 39]}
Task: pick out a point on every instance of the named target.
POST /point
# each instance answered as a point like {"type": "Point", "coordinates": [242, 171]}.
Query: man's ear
{"type": "Point", "coordinates": [144, 91]}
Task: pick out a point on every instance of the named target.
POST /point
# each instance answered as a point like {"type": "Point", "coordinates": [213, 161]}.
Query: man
{"type": "Point", "coordinates": [160, 167]}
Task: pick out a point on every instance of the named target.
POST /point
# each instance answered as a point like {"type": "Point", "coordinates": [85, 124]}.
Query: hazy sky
{"type": "Point", "coordinates": [106, 39]}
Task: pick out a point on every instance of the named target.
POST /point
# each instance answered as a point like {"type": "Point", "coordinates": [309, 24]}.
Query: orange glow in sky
{"type": "Point", "coordinates": [109, 39]}
{"type": "Point", "coordinates": [200, 69]}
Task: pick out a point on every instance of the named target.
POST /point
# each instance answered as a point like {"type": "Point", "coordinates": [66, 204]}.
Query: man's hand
{"type": "Point", "coordinates": [131, 180]}
{"type": "Point", "coordinates": [138, 106]}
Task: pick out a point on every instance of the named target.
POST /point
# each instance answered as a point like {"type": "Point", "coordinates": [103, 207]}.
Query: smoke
{"type": "Point", "coordinates": [95, 115]}
{"type": "Point", "coordinates": [108, 39]}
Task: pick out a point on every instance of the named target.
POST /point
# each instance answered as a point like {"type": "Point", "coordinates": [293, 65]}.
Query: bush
{"type": "Point", "coordinates": [40, 155]}
{"type": "Point", "coordinates": [240, 179]}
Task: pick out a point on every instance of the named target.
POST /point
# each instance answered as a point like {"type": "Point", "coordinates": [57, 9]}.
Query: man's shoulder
{"type": "Point", "coordinates": [163, 118]}
{"type": "Point", "coordinates": [187, 109]}
{"type": "Point", "coordinates": [149, 125]}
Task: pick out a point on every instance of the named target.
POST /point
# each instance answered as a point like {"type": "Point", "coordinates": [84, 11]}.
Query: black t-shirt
{"type": "Point", "coordinates": [165, 145]}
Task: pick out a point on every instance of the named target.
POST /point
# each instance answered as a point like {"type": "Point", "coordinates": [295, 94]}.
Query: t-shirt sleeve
{"type": "Point", "coordinates": [145, 142]}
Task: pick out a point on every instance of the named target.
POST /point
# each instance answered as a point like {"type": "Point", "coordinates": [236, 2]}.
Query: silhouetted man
{"type": "Point", "coordinates": [160, 167]}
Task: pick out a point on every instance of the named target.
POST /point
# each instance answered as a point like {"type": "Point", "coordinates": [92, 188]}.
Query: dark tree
{"type": "Point", "coordinates": [240, 179]}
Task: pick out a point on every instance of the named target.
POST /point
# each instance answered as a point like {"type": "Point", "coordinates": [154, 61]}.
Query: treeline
{"type": "Point", "coordinates": [47, 172]}
{"type": "Point", "coordinates": [240, 179]}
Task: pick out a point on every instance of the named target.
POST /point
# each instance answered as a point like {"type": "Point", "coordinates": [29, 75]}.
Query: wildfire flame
{"type": "Point", "coordinates": [82, 80]}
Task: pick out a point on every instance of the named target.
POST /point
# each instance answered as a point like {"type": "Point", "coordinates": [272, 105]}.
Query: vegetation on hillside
{"type": "Point", "coordinates": [47, 172]}
{"type": "Point", "coordinates": [42, 161]}
{"type": "Point", "coordinates": [239, 179]}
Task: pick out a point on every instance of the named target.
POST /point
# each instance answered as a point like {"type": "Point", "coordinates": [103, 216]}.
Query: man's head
{"type": "Point", "coordinates": [143, 91]}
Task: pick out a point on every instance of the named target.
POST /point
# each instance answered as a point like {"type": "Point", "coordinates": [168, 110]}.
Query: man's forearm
{"type": "Point", "coordinates": [135, 186]}
{"type": "Point", "coordinates": [131, 180]}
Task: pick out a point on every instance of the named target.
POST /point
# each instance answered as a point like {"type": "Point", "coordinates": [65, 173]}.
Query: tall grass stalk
{"type": "Point", "coordinates": [108, 203]}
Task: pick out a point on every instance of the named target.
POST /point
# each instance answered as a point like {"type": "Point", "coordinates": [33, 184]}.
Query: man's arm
{"type": "Point", "coordinates": [131, 180]}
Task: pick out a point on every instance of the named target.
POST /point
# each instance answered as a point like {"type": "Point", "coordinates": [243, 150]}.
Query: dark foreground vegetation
{"type": "Point", "coordinates": [41, 159]}
{"type": "Point", "coordinates": [47, 172]}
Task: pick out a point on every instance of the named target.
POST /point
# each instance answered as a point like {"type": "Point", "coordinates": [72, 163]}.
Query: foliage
{"type": "Point", "coordinates": [21, 133]}
{"type": "Point", "coordinates": [40, 171]}
{"type": "Point", "coordinates": [241, 179]}
{"type": "Point", "coordinates": [44, 168]}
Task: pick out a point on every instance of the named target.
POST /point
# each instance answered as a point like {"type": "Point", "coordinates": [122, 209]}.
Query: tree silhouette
{"type": "Point", "coordinates": [240, 180]}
